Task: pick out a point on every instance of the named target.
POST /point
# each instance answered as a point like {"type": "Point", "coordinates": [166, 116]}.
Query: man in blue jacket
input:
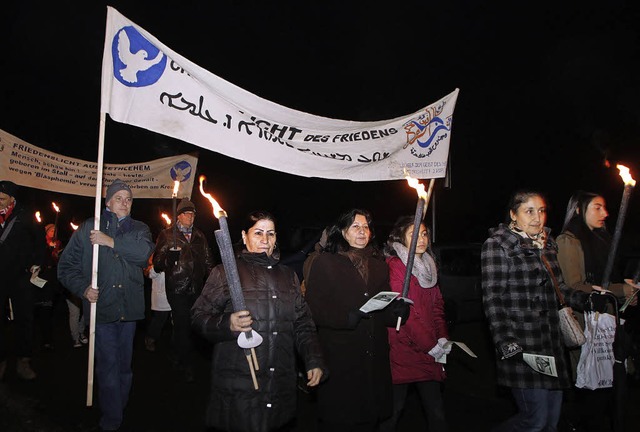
{"type": "Point", "coordinates": [125, 247]}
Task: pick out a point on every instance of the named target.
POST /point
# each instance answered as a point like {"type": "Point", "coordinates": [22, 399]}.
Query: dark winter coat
{"type": "Point", "coordinates": [521, 306]}
{"type": "Point", "coordinates": [23, 247]}
{"type": "Point", "coordinates": [359, 388]}
{"type": "Point", "coordinates": [410, 359]}
{"type": "Point", "coordinates": [194, 264]}
{"type": "Point", "coordinates": [120, 277]}
{"type": "Point", "coordinates": [281, 316]}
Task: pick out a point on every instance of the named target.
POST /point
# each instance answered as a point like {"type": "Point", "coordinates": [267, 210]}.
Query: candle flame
{"type": "Point", "coordinates": [419, 187]}
{"type": "Point", "coordinates": [73, 226]}
{"type": "Point", "coordinates": [166, 218]}
{"type": "Point", "coordinates": [55, 207]}
{"type": "Point", "coordinates": [38, 218]}
{"type": "Point", "coordinates": [217, 210]}
{"type": "Point", "coordinates": [176, 186]}
{"type": "Point", "coordinates": [626, 175]}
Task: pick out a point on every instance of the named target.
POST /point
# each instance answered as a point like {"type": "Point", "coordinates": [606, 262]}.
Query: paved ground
{"type": "Point", "coordinates": [163, 401]}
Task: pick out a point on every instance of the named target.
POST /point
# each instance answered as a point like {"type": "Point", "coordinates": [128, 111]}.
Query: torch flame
{"type": "Point", "coordinates": [626, 176]}
{"type": "Point", "coordinates": [166, 218]}
{"type": "Point", "coordinates": [38, 218]}
{"type": "Point", "coordinates": [73, 226]}
{"type": "Point", "coordinates": [176, 186]}
{"type": "Point", "coordinates": [419, 187]}
{"type": "Point", "coordinates": [55, 207]}
{"type": "Point", "coordinates": [217, 210]}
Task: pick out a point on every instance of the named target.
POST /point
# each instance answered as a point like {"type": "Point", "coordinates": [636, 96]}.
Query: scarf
{"type": "Point", "coordinates": [424, 267]}
{"type": "Point", "coordinates": [360, 260]}
{"type": "Point", "coordinates": [539, 240]}
{"type": "Point", "coordinates": [186, 231]}
{"type": "Point", "coordinates": [6, 212]}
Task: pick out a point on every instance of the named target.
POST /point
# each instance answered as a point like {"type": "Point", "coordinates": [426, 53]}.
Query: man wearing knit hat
{"type": "Point", "coordinates": [21, 254]}
{"type": "Point", "coordinates": [185, 273]}
{"type": "Point", "coordinates": [125, 246]}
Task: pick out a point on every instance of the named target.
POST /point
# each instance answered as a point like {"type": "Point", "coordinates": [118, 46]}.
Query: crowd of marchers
{"type": "Point", "coordinates": [268, 327]}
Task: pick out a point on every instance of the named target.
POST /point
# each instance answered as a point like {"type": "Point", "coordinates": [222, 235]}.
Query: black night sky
{"type": "Point", "coordinates": [548, 90]}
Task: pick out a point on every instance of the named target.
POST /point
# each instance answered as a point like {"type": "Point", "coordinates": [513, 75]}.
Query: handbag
{"type": "Point", "coordinates": [572, 333]}
{"type": "Point", "coordinates": [595, 368]}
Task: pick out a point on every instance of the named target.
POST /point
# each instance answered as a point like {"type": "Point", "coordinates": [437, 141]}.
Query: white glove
{"type": "Point", "coordinates": [34, 268]}
{"type": "Point", "coordinates": [442, 342]}
{"type": "Point", "coordinates": [437, 352]}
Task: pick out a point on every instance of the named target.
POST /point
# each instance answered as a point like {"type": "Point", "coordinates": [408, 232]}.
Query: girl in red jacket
{"type": "Point", "coordinates": [420, 343]}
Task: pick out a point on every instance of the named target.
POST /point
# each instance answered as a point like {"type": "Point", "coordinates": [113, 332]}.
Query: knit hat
{"type": "Point", "coordinates": [9, 188]}
{"type": "Point", "coordinates": [114, 187]}
{"type": "Point", "coordinates": [48, 227]}
{"type": "Point", "coordinates": [185, 205]}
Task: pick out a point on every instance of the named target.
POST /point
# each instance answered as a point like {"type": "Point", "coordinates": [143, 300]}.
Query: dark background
{"type": "Point", "coordinates": [548, 92]}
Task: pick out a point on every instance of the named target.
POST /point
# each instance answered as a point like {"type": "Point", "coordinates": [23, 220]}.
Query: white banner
{"type": "Point", "coordinates": [144, 83]}
{"type": "Point", "coordinates": [31, 166]}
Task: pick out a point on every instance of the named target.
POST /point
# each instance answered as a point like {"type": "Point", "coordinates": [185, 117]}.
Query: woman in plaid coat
{"type": "Point", "coordinates": [521, 306]}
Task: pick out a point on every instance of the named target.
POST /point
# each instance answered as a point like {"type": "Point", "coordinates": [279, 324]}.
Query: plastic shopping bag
{"type": "Point", "coordinates": [595, 368]}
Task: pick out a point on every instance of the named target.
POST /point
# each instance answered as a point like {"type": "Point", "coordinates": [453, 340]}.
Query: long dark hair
{"type": "Point", "coordinates": [336, 241]}
{"type": "Point", "coordinates": [577, 207]}
{"type": "Point", "coordinates": [399, 232]}
{"type": "Point", "coordinates": [595, 243]}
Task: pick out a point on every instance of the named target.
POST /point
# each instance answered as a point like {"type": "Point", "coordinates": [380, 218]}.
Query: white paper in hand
{"type": "Point", "coordinates": [379, 301]}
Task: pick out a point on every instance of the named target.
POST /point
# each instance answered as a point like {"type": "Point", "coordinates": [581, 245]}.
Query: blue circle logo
{"type": "Point", "coordinates": [136, 61]}
{"type": "Point", "coordinates": [181, 171]}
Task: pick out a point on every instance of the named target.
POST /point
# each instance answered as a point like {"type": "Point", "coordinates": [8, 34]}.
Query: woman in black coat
{"type": "Point", "coordinates": [277, 311]}
{"type": "Point", "coordinates": [339, 280]}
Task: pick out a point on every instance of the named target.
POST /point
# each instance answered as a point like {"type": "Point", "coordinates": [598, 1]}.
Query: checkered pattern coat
{"type": "Point", "coordinates": [522, 307]}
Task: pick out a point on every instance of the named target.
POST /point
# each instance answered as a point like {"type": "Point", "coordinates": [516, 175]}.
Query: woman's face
{"type": "Point", "coordinates": [358, 234]}
{"type": "Point", "coordinates": [261, 237]}
{"type": "Point", "coordinates": [531, 215]}
{"type": "Point", "coordinates": [423, 239]}
{"type": "Point", "coordinates": [596, 214]}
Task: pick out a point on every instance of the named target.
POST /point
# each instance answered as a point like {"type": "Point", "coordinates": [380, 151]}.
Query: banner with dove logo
{"type": "Point", "coordinates": [31, 166]}
{"type": "Point", "coordinates": [146, 84]}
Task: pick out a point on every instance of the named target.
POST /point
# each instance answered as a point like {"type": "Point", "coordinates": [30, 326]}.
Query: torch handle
{"type": "Point", "coordinates": [230, 268]}
{"type": "Point", "coordinates": [606, 276]}
{"type": "Point", "coordinates": [412, 246]}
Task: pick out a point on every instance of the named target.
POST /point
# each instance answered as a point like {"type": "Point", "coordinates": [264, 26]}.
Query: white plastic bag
{"type": "Point", "coordinates": [595, 368]}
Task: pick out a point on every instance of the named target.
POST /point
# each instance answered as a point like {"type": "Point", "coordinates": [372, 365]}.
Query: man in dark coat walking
{"type": "Point", "coordinates": [183, 254]}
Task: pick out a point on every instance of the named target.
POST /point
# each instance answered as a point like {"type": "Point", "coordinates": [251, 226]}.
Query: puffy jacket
{"type": "Point", "coordinates": [194, 264]}
{"type": "Point", "coordinates": [281, 316]}
{"type": "Point", "coordinates": [120, 277]}
{"type": "Point", "coordinates": [409, 355]}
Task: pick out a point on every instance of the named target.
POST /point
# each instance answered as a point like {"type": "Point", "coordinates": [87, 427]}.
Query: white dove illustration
{"type": "Point", "coordinates": [134, 62]}
{"type": "Point", "coordinates": [181, 174]}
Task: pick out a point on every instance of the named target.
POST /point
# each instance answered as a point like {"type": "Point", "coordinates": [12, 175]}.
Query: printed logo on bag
{"type": "Point", "coordinates": [136, 61]}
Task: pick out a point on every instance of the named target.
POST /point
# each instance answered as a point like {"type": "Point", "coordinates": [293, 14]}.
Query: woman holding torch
{"type": "Point", "coordinates": [344, 276]}
{"type": "Point", "coordinates": [418, 345]}
{"type": "Point", "coordinates": [277, 311]}
{"type": "Point", "coordinates": [583, 248]}
{"type": "Point", "coordinates": [519, 273]}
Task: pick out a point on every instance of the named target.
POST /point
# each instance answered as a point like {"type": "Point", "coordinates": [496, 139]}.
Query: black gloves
{"type": "Point", "coordinates": [354, 318]}
{"type": "Point", "coordinates": [173, 256]}
{"type": "Point", "coordinates": [400, 308]}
